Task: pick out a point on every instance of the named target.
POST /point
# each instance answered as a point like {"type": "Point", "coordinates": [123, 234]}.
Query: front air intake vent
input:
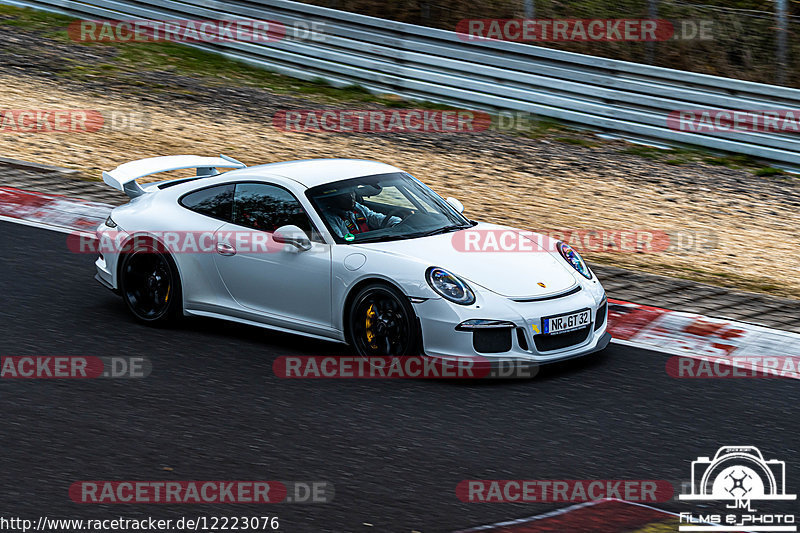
{"type": "Point", "coordinates": [547, 343]}
{"type": "Point", "coordinates": [601, 316]}
{"type": "Point", "coordinates": [491, 340]}
{"type": "Point", "coordinates": [523, 342]}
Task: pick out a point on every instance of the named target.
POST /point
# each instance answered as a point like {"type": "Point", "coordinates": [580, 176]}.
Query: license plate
{"type": "Point", "coordinates": [564, 323]}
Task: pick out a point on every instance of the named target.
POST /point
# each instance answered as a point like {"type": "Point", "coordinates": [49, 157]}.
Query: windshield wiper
{"type": "Point", "coordinates": [439, 231]}
{"type": "Point", "coordinates": [379, 238]}
{"type": "Point", "coordinates": [400, 237]}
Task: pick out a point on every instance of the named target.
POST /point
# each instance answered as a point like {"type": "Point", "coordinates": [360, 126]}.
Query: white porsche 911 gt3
{"type": "Point", "coordinates": [344, 250]}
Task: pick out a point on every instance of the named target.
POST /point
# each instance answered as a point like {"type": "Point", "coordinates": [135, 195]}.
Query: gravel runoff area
{"type": "Point", "coordinates": [745, 225]}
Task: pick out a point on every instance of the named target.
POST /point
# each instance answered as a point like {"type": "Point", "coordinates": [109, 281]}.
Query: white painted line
{"type": "Point", "coordinates": [673, 351]}
{"type": "Point", "coordinates": [42, 225]}
{"type": "Point", "coordinates": [671, 513]}
{"type": "Point", "coordinates": [542, 516]}
{"type": "Point", "coordinates": [565, 510]}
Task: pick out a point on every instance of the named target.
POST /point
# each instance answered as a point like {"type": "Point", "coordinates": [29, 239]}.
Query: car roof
{"type": "Point", "coordinates": [313, 172]}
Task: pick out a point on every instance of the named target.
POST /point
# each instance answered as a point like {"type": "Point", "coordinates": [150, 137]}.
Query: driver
{"type": "Point", "coordinates": [345, 215]}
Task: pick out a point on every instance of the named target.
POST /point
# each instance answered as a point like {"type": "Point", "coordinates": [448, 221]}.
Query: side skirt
{"type": "Point", "coordinates": [210, 314]}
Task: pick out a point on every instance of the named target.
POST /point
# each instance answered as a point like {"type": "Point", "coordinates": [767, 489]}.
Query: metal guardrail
{"type": "Point", "coordinates": [627, 99]}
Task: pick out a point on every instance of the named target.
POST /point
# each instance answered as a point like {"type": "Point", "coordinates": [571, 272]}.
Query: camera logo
{"type": "Point", "coordinates": [738, 475]}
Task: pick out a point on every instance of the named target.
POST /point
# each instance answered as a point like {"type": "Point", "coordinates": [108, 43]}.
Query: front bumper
{"type": "Point", "coordinates": [521, 341]}
{"type": "Point", "coordinates": [104, 273]}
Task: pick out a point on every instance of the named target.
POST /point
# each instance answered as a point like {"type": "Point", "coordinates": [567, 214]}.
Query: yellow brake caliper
{"type": "Point", "coordinates": [368, 324]}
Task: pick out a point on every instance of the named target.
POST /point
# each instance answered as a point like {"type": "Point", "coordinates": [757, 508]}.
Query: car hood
{"type": "Point", "coordinates": [513, 274]}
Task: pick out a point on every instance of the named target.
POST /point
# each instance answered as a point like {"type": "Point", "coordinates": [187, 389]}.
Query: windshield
{"type": "Point", "coordinates": [383, 207]}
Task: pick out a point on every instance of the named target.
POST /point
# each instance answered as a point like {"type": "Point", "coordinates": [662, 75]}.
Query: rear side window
{"type": "Point", "coordinates": [267, 207]}
{"type": "Point", "coordinates": [216, 202]}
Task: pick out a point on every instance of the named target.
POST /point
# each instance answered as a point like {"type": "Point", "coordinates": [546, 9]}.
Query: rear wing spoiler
{"type": "Point", "coordinates": [124, 177]}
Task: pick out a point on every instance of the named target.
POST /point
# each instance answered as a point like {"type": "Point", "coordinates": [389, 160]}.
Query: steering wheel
{"type": "Point", "coordinates": [385, 222]}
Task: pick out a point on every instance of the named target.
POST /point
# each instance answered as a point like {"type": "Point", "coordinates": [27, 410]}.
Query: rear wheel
{"type": "Point", "coordinates": [150, 285]}
{"type": "Point", "coordinates": [382, 322]}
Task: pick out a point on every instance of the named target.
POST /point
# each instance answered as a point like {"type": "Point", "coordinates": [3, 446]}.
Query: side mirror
{"type": "Point", "coordinates": [292, 235]}
{"type": "Point", "coordinates": [458, 206]}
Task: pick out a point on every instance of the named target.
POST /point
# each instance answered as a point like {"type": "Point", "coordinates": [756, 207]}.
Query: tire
{"type": "Point", "coordinates": [382, 322]}
{"type": "Point", "coordinates": [150, 285]}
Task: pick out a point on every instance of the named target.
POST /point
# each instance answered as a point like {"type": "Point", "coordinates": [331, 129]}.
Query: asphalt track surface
{"type": "Point", "coordinates": [394, 449]}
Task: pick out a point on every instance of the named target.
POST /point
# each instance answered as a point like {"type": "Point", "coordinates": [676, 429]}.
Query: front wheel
{"type": "Point", "coordinates": [382, 322]}
{"type": "Point", "coordinates": [150, 285]}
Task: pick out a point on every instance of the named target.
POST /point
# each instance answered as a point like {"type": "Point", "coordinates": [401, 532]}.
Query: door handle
{"type": "Point", "coordinates": [224, 248]}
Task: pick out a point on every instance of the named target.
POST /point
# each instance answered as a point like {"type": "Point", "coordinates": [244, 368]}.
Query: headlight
{"type": "Point", "coordinates": [574, 258]}
{"type": "Point", "coordinates": [449, 286]}
{"type": "Point", "coordinates": [110, 223]}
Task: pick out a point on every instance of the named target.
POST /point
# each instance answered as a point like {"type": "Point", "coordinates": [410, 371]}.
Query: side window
{"type": "Point", "coordinates": [267, 207]}
{"type": "Point", "coordinates": [216, 202]}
